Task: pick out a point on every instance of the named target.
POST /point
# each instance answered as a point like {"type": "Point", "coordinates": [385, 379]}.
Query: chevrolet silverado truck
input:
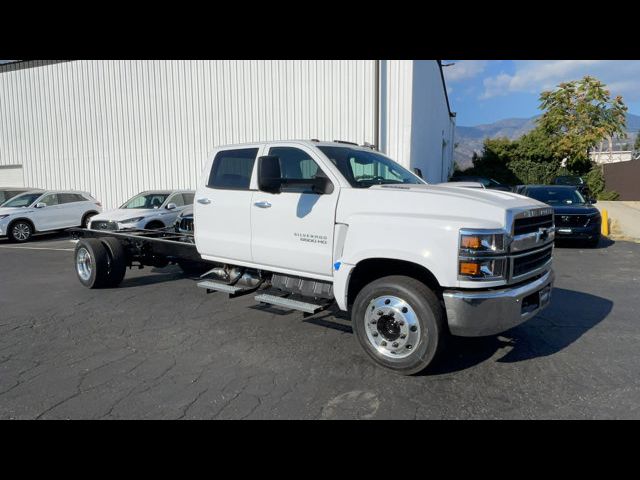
{"type": "Point", "coordinates": [303, 225]}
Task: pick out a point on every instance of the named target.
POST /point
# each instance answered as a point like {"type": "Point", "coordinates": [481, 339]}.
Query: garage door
{"type": "Point", "coordinates": [11, 176]}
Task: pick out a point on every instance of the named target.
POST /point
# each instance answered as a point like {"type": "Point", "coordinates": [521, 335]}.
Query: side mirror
{"type": "Point", "coordinates": [593, 200]}
{"type": "Point", "coordinates": [41, 205]}
{"type": "Point", "coordinates": [269, 174]}
{"type": "Point", "coordinates": [418, 172]}
{"type": "Point", "coordinates": [171, 206]}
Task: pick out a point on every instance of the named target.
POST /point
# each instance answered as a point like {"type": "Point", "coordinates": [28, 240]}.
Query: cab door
{"type": "Point", "coordinates": [293, 229]}
{"type": "Point", "coordinates": [222, 207]}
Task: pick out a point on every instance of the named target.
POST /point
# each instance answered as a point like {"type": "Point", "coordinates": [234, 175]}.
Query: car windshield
{"type": "Point", "coordinates": [23, 200]}
{"type": "Point", "coordinates": [363, 169]}
{"type": "Point", "coordinates": [146, 200]}
{"type": "Point", "coordinates": [568, 180]}
{"type": "Point", "coordinates": [557, 196]}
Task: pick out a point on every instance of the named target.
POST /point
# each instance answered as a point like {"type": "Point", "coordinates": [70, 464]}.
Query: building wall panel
{"type": "Point", "coordinates": [117, 127]}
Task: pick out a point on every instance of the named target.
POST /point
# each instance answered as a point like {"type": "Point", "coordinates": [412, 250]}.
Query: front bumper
{"type": "Point", "coordinates": [578, 233]}
{"type": "Point", "coordinates": [489, 312]}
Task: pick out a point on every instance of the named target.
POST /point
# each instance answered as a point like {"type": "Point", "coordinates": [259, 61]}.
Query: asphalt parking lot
{"type": "Point", "coordinates": [158, 347]}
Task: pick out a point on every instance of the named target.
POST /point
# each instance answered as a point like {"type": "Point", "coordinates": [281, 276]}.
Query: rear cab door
{"type": "Point", "coordinates": [293, 230]}
{"type": "Point", "coordinates": [222, 206]}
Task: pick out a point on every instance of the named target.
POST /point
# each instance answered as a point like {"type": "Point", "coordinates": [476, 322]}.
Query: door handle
{"type": "Point", "coordinates": [204, 201]}
{"type": "Point", "coordinates": [262, 204]}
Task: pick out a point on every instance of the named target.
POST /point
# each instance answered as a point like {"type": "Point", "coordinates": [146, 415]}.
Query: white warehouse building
{"type": "Point", "coordinates": [114, 128]}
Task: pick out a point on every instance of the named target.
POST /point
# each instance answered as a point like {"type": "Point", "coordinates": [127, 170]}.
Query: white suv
{"type": "Point", "coordinates": [148, 210]}
{"type": "Point", "coordinates": [43, 211]}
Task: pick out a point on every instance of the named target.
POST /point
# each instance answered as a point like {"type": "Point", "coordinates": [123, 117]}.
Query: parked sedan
{"type": "Point", "coordinates": [575, 217]}
{"type": "Point", "coordinates": [150, 210]}
{"type": "Point", "coordinates": [44, 211]}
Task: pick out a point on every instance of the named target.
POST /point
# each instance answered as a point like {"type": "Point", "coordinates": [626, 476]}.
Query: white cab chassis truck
{"type": "Point", "coordinates": [306, 224]}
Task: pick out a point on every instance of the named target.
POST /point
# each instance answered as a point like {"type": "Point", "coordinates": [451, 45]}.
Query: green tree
{"type": "Point", "coordinates": [577, 116]}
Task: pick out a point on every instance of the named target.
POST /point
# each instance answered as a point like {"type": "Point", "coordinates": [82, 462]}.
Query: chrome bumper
{"type": "Point", "coordinates": [489, 312]}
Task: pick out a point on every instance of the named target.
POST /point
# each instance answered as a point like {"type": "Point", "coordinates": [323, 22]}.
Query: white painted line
{"type": "Point", "coordinates": [39, 248]}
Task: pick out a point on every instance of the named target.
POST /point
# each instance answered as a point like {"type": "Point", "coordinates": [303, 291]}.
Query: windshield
{"type": "Point", "coordinates": [146, 200]}
{"type": "Point", "coordinates": [23, 200]}
{"type": "Point", "coordinates": [557, 196]}
{"type": "Point", "coordinates": [568, 180]}
{"type": "Point", "coordinates": [363, 169]}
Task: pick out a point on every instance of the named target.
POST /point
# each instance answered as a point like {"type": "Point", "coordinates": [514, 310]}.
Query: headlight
{"type": "Point", "coordinates": [482, 255]}
{"type": "Point", "coordinates": [477, 242]}
{"type": "Point", "coordinates": [490, 269]}
{"type": "Point", "coordinates": [132, 220]}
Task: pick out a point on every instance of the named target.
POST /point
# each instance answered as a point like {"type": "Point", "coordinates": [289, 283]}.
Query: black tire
{"type": "Point", "coordinates": [154, 225]}
{"type": "Point", "coordinates": [117, 260]}
{"type": "Point", "coordinates": [20, 231]}
{"type": "Point", "coordinates": [96, 274]}
{"type": "Point", "coordinates": [429, 315]}
{"type": "Point", "coordinates": [86, 218]}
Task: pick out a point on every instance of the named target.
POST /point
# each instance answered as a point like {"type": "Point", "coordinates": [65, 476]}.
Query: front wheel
{"type": "Point", "coordinates": [20, 231]}
{"type": "Point", "coordinates": [399, 323]}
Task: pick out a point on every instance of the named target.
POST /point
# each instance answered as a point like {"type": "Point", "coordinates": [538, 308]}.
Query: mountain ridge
{"type": "Point", "coordinates": [470, 139]}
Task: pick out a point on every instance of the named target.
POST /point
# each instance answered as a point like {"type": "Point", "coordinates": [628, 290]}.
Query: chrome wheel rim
{"type": "Point", "coordinates": [21, 231]}
{"type": "Point", "coordinates": [84, 264]}
{"type": "Point", "coordinates": [392, 326]}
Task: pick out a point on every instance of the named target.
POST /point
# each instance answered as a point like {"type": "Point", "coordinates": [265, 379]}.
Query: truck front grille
{"type": "Point", "coordinates": [571, 220]}
{"type": "Point", "coordinates": [530, 262]}
{"type": "Point", "coordinates": [532, 224]}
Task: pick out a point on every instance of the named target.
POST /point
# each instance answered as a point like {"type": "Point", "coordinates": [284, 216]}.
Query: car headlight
{"type": "Point", "coordinates": [482, 255]}
{"type": "Point", "coordinates": [132, 220]}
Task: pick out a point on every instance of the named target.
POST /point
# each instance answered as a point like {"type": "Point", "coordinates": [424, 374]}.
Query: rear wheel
{"type": "Point", "coordinates": [399, 323]}
{"type": "Point", "coordinates": [20, 231]}
{"type": "Point", "coordinates": [92, 263]}
{"type": "Point", "coordinates": [117, 260]}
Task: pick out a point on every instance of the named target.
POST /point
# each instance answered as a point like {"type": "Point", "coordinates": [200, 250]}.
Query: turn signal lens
{"type": "Point", "coordinates": [470, 241]}
{"type": "Point", "coordinates": [469, 268]}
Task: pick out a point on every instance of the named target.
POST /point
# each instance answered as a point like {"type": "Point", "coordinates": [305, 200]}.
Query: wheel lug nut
{"type": "Point", "coordinates": [403, 336]}
{"type": "Point", "coordinates": [374, 322]}
{"type": "Point", "coordinates": [392, 314]}
{"type": "Point", "coordinates": [383, 343]}
{"type": "Point", "coordinates": [395, 344]}
{"type": "Point", "coordinates": [401, 323]}
{"type": "Point", "coordinates": [413, 328]}
{"type": "Point", "coordinates": [409, 347]}
{"type": "Point", "coordinates": [375, 334]}
{"type": "Point", "coordinates": [405, 309]}
{"type": "Point", "coordinates": [387, 301]}
{"type": "Point", "coordinates": [380, 313]}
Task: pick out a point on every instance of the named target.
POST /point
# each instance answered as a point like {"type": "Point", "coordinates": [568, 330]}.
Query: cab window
{"type": "Point", "coordinates": [232, 169]}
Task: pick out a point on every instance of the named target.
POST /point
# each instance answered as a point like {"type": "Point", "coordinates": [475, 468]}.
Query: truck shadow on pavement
{"type": "Point", "coordinates": [570, 315]}
{"type": "Point", "coordinates": [604, 242]}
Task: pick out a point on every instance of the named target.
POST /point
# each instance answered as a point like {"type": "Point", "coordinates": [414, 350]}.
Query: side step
{"type": "Point", "coordinates": [232, 290]}
{"type": "Point", "coordinates": [308, 308]}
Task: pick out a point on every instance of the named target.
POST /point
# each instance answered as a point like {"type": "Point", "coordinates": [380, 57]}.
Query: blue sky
{"type": "Point", "coordinates": [484, 91]}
